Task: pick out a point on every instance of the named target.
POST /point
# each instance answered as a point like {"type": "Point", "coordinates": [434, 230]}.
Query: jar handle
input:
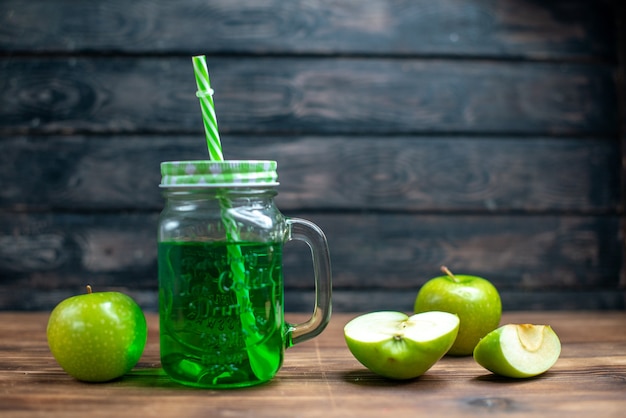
{"type": "Point", "coordinates": [313, 236]}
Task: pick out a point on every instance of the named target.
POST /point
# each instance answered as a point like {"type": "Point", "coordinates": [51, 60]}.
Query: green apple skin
{"type": "Point", "coordinates": [397, 346]}
{"type": "Point", "coordinates": [504, 352]}
{"type": "Point", "coordinates": [475, 300]}
{"type": "Point", "coordinates": [97, 337]}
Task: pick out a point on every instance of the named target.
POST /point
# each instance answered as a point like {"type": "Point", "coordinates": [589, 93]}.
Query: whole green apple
{"type": "Point", "coordinates": [397, 346]}
{"type": "Point", "coordinates": [519, 350]}
{"type": "Point", "coordinates": [475, 300]}
{"type": "Point", "coordinates": [97, 337]}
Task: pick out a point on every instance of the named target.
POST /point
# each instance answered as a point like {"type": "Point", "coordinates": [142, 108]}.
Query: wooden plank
{"type": "Point", "coordinates": [302, 300]}
{"type": "Point", "coordinates": [338, 94]}
{"type": "Point", "coordinates": [321, 378]}
{"type": "Point", "coordinates": [330, 173]}
{"type": "Point", "coordinates": [525, 28]}
{"type": "Point", "coordinates": [621, 94]}
{"type": "Point", "coordinates": [304, 95]}
{"type": "Point", "coordinates": [348, 300]}
{"type": "Point", "coordinates": [51, 252]}
{"type": "Point", "coordinates": [344, 300]}
{"type": "Point", "coordinates": [513, 251]}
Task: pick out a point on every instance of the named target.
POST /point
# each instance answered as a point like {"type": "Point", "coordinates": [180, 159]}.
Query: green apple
{"type": "Point", "coordinates": [475, 300]}
{"type": "Point", "coordinates": [97, 337]}
{"type": "Point", "coordinates": [397, 346]}
{"type": "Point", "coordinates": [519, 350]}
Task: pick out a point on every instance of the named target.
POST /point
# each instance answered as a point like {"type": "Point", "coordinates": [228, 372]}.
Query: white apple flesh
{"type": "Point", "coordinates": [519, 350]}
{"type": "Point", "coordinates": [397, 346]}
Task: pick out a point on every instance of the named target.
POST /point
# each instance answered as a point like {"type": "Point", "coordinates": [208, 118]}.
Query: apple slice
{"type": "Point", "coordinates": [518, 350]}
{"type": "Point", "coordinates": [397, 346]}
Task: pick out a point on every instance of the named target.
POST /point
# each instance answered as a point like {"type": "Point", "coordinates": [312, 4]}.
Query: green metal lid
{"type": "Point", "coordinates": [206, 173]}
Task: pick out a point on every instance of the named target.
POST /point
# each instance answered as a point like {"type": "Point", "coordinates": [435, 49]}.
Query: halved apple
{"type": "Point", "coordinates": [397, 346]}
{"type": "Point", "coordinates": [519, 350]}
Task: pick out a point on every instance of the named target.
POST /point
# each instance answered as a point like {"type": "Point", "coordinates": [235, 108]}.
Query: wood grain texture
{"type": "Point", "coordinates": [320, 377]}
{"type": "Point", "coordinates": [409, 174]}
{"type": "Point", "coordinates": [621, 94]}
{"type": "Point", "coordinates": [380, 299]}
{"type": "Point", "coordinates": [298, 300]}
{"type": "Point", "coordinates": [485, 135]}
{"type": "Point", "coordinates": [369, 253]}
{"type": "Point", "coordinates": [306, 96]}
{"type": "Point", "coordinates": [521, 28]}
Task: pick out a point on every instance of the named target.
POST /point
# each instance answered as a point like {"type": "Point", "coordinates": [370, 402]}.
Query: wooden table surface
{"type": "Point", "coordinates": [321, 378]}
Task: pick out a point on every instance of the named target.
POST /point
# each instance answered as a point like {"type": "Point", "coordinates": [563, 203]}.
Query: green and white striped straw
{"type": "Point", "coordinates": [205, 94]}
{"type": "Point", "coordinates": [259, 358]}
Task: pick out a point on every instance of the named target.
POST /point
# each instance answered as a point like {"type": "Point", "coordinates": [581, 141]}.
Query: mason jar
{"type": "Point", "coordinates": [221, 287]}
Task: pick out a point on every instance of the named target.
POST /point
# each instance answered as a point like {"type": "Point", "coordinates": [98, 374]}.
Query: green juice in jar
{"type": "Point", "coordinates": [203, 340]}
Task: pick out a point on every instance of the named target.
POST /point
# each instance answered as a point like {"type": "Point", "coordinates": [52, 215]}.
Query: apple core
{"type": "Point", "coordinates": [397, 346]}
{"type": "Point", "coordinates": [530, 336]}
{"type": "Point", "coordinates": [519, 350]}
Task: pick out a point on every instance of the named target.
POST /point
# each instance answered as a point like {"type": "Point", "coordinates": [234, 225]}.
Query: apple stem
{"type": "Point", "coordinates": [449, 273]}
{"type": "Point", "coordinates": [88, 289]}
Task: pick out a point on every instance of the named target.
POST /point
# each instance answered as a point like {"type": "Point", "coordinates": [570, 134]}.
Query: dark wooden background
{"type": "Point", "coordinates": [484, 135]}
